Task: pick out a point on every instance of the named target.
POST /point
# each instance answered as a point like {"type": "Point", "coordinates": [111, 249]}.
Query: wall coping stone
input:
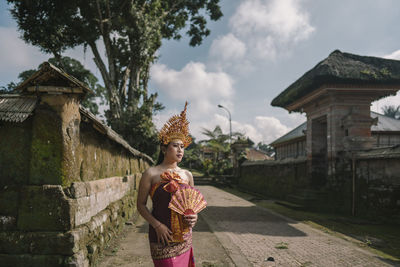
{"type": "Point", "coordinates": [274, 162]}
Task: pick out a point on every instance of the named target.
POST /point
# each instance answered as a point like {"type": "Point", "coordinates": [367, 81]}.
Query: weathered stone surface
{"type": "Point", "coordinates": [9, 200]}
{"type": "Point", "coordinates": [40, 243]}
{"type": "Point", "coordinates": [31, 260]}
{"type": "Point", "coordinates": [15, 143]}
{"type": "Point", "coordinates": [8, 222]}
{"type": "Point", "coordinates": [78, 190]}
{"type": "Point", "coordinates": [66, 185]}
{"type": "Point", "coordinates": [99, 194]}
{"type": "Point", "coordinates": [275, 179]}
{"type": "Point", "coordinates": [45, 208]}
{"type": "Point", "coordinates": [77, 260]}
{"type": "Point", "coordinates": [46, 148]}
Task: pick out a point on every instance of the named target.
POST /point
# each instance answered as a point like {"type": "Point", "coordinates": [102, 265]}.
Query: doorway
{"type": "Point", "coordinates": [319, 147]}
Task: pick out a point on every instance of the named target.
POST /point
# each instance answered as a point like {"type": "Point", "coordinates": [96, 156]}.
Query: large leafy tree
{"type": "Point", "coordinates": [131, 32]}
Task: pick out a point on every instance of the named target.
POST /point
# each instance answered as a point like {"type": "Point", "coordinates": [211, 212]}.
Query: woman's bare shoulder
{"type": "Point", "coordinates": [151, 172]}
{"type": "Point", "coordinates": [188, 173]}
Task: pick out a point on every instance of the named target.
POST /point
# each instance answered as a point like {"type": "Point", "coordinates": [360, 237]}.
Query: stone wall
{"type": "Point", "coordinates": [15, 138]}
{"type": "Point", "coordinates": [275, 179]}
{"type": "Point", "coordinates": [377, 184]}
{"type": "Point", "coordinates": [68, 184]}
{"type": "Point", "coordinates": [375, 192]}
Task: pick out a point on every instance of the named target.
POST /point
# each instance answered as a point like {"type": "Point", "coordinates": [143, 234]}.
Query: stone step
{"type": "Point", "coordinates": [300, 200]}
{"type": "Point", "coordinates": [199, 180]}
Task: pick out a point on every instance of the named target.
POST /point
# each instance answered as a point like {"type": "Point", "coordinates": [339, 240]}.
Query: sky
{"type": "Point", "coordinates": [254, 52]}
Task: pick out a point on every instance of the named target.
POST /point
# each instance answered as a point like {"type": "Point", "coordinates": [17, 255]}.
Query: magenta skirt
{"type": "Point", "coordinates": [184, 260]}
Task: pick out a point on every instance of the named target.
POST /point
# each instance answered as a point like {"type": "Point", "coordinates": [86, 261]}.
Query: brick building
{"type": "Point", "coordinates": [344, 158]}
{"type": "Point", "coordinates": [336, 96]}
{"type": "Point", "coordinates": [385, 132]}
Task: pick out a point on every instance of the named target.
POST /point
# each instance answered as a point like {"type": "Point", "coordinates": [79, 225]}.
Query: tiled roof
{"type": "Point", "coordinates": [16, 108]}
{"type": "Point", "coordinates": [385, 123]}
{"type": "Point", "coordinates": [293, 134]}
{"type": "Point", "coordinates": [255, 155]}
{"type": "Point", "coordinates": [341, 68]}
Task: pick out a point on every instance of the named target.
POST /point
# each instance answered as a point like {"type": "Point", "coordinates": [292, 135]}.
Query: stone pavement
{"type": "Point", "coordinates": [259, 233]}
{"type": "Point", "coordinates": [232, 231]}
{"type": "Point", "coordinates": [132, 248]}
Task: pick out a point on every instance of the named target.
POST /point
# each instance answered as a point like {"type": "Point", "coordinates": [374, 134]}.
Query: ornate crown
{"type": "Point", "coordinates": [177, 127]}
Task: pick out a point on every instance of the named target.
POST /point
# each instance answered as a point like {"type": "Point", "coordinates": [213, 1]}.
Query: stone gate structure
{"type": "Point", "coordinates": [67, 181]}
{"type": "Point", "coordinates": [328, 160]}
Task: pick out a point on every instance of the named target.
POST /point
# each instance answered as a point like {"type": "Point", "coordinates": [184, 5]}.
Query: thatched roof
{"type": "Point", "coordinates": [342, 68]}
{"type": "Point", "coordinates": [49, 77]}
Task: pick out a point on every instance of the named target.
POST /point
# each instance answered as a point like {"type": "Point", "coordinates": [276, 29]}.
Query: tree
{"type": "Point", "coordinates": [131, 32]}
{"type": "Point", "coordinates": [392, 111]}
{"type": "Point", "coordinates": [8, 89]}
{"type": "Point", "coordinates": [217, 141]}
{"type": "Point", "coordinates": [265, 147]}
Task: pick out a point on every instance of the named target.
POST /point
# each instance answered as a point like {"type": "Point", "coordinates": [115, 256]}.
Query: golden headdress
{"type": "Point", "coordinates": [177, 127]}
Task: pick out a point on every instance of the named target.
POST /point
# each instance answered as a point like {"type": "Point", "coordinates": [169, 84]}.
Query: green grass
{"type": "Point", "coordinates": [382, 238]}
{"type": "Point", "coordinates": [196, 172]}
{"type": "Point", "coordinates": [281, 245]}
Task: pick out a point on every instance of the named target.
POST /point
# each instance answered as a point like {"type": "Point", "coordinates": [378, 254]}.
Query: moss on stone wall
{"type": "Point", "coordinates": [15, 142]}
{"type": "Point", "coordinates": [102, 157]}
{"type": "Point", "coordinates": [9, 200]}
{"type": "Point", "coordinates": [274, 180]}
{"type": "Point", "coordinates": [378, 188]}
{"type": "Point", "coordinates": [44, 208]}
{"type": "Point", "coordinates": [46, 149]}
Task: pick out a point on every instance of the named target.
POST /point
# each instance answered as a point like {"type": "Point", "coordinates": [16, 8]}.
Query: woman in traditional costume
{"type": "Point", "coordinates": [170, 233]}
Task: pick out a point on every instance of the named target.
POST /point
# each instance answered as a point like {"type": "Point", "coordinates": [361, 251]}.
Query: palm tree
{"type": "Point", "coordinates": [217, 141]}
{"type": "Point", "coordinates": [392, 111]}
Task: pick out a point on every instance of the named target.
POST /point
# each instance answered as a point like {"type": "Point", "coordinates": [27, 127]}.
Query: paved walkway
{"type": "Point", "coordinates": [132, 249]}
{"type": "Point", "coordinates": [234, 232]}
{"type": "Point", "coordinates": [259, 234]}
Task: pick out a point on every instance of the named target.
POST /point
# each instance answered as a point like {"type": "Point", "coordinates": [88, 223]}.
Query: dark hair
{"type": "Point", "coordinates": [161, 155]}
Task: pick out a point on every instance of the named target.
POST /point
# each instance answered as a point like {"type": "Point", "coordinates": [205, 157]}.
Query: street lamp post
{"type": "Point", "coordinates": [230, 123]}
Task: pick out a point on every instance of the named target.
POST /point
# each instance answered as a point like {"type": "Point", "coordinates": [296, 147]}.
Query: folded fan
{"type": "Point", "coordinates": [187, 201]}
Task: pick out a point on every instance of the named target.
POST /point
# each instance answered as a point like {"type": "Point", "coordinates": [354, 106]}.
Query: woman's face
{"type": "Point", "coordinates": [175, 151]}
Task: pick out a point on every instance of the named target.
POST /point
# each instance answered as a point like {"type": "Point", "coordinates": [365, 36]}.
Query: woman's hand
{"type": "Point", "coordinates": [191, 220]}
{"type": "Point", "coordinates": [164, 234]}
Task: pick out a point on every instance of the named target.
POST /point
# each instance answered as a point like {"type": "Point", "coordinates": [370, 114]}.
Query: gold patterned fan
{"type": "Point", "coordinates": [187, 201]}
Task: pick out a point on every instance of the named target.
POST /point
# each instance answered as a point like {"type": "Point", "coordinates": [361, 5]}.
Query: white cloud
{"type": "Point", "coordinates": [262, 129]}
{"type": "Point", "coordinates": [270, 27]}
{"type": "Point", "coordinates": [387, 101]}
{"type": "Point", "coordinates": [390, 100]}
{"type": "Point", "coordinates": [394, 55]}
{"type": "Point", "coordinates": [270, 127]}
{"type": "Point", "coordinates": [228, 47]}
{"type": "Point", "coordinates": [201, 88]}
